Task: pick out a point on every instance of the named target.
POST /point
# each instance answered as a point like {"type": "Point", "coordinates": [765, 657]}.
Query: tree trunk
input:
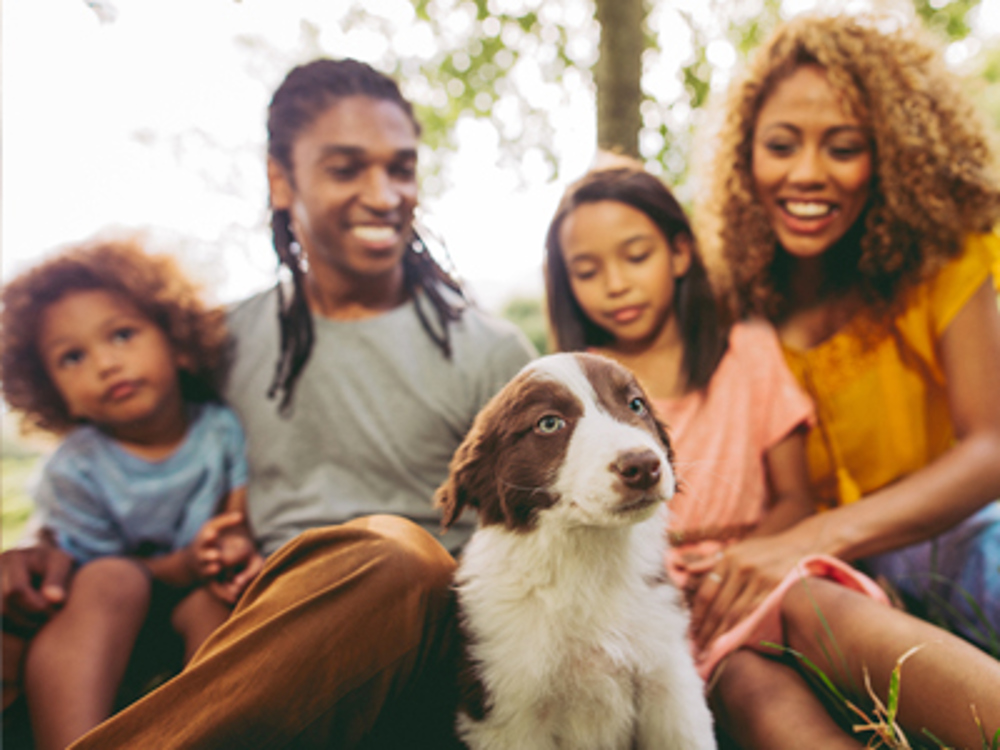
{"type": "Point", "coordinates": [618, 72]}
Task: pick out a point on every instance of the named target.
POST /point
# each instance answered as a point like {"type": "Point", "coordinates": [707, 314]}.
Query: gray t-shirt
{"type": "Point", "coordinates": [377, 413]}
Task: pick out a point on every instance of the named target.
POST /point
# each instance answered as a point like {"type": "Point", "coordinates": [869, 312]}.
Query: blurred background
{"type": "Point", "coordinates": [150, 114]}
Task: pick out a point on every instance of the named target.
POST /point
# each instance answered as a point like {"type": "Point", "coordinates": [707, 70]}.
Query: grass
{"type": "Point", "coordinates": [875, 722]}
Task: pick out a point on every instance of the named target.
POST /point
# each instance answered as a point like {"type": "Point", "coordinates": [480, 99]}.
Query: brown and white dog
{"type": "Point", "coordinates": [573, 636]}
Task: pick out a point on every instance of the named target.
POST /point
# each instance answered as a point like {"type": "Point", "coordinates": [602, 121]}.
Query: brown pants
{"type": "Point", "coordinates": [347, 639]}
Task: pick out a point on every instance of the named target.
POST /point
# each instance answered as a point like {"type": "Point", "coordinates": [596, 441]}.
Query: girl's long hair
{"type": "Point", "coordinates": [307, 92]}
{"type": "Point", "coordinates": [704, 328]}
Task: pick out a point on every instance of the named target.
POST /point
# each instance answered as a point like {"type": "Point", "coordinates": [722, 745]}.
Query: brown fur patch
{"type": "Point", "coordinates": [505, 466]}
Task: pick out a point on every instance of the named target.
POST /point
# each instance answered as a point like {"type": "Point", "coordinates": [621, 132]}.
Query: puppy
{"type": "Point", "coordinates": [573, 637]}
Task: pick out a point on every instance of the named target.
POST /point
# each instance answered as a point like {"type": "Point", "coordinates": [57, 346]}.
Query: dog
{"type": "Point", "coordinates": [573, 637]}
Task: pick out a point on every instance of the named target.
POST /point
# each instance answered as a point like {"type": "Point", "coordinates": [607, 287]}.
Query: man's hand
{"type": "Point", "coordinates": [35, 583]}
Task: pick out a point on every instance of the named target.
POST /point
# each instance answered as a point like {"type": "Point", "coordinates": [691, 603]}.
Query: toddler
{"type": "Point", "coordinates": [112, 349]}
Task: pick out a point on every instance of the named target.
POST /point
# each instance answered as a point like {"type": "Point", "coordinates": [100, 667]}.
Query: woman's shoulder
{"type": "Point", "coordinates": [947, 291]}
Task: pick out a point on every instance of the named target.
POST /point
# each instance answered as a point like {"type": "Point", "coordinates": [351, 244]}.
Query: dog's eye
{"type": "Point", "coordinates": [638, 406]}
{"type": "Point", "coordinates": [549, 424]}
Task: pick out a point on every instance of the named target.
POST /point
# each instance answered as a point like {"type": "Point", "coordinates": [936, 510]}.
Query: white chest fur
{"type": "Point", "coordinates": [577, 643]}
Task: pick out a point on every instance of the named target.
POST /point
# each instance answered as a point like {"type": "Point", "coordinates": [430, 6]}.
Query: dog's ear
{"type": "Point", "coordinates": [468, 476]}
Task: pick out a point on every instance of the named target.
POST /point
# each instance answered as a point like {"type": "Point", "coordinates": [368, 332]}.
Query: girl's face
{"type": "Point", "coordinates": [812, 163]}
{"type": "Point", "coordinates": [112, 365]}
{"type": "Point", "coordinates": [353, 187]}
{"type": "Point", "coordinates": [622, 269]}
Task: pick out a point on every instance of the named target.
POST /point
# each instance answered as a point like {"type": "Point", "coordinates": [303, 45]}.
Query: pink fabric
{"type": "Point", "coordinates": [721, 437]}
{"type": "Point", "coordinates": [764, 623]}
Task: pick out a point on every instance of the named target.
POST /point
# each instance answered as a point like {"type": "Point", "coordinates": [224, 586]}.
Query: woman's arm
{"type": "Point", "coordinates": [733, 584]}
{"type": "Point", "coordinates": [959, 482]}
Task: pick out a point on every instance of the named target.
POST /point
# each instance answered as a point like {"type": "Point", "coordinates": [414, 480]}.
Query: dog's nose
{"type": "Point", "coordinates": [638, 469]}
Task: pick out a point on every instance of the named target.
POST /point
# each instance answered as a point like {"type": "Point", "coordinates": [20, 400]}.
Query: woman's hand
{"type": "Point", "coordinates": [729, 586]}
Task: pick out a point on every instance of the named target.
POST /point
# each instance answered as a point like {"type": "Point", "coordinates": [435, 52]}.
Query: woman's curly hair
{"type": "Point", "coordinates": [935, 176]}
{"type": "Point", "coordinates": [153, 283]}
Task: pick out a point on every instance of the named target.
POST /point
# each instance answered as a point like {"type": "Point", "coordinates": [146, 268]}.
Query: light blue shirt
{"type": "Point", "coordinates": [100, 500]}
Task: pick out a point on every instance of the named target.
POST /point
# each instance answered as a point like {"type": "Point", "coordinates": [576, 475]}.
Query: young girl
{"type": "Point", "coordinates": [112, 348]}
{"type": "Point", "coordinates": [624, 279]}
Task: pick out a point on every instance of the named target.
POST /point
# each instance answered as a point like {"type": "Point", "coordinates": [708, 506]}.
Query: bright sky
{"type": "Point", "coordinates": [155, 119]}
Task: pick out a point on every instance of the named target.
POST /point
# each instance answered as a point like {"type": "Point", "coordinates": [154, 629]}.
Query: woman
{"type": "Point", "coordinates": [851, 195]}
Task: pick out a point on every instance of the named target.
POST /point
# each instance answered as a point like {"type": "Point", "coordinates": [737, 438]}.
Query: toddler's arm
{"type": "Point", "coordinates": [226, 552]}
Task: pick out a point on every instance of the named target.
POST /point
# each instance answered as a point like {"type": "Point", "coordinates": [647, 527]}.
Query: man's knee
{"type": "Point", "coordinates": [381, 544]}
{"type": "Point", "coordinates": [411, 548]}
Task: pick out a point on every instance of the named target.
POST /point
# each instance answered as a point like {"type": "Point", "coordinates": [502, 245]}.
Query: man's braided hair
{"type": "Point", "coordinates": [308, 91]}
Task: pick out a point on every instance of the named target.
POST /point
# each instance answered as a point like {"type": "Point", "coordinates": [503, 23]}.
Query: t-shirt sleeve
{"type": "Point", "coordinates": [955, 284]}
{"type": "Point", "coordinates": [235, 449]}
{"type": "Point", "coordinates": [72, 509]}
{"type": "Point", "coordinates": [783, 406]}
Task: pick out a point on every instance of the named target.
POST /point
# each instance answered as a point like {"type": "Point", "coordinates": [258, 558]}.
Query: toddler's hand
{"type": "Point", "coordinates": [229, 588]}
{"type": "Point", "coordinates": [212, 551]}
{"type": "Point", "coordinates": [229, 559]}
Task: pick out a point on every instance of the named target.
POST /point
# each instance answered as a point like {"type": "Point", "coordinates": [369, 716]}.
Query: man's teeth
{"type": "Point", "coordinates": [807, 210]}
{"type": "Point", "coordinates": [374, 234]}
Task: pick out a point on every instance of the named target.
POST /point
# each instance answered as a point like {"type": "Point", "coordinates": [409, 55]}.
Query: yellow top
{"type": "Point", "coordinates": [881, 405]}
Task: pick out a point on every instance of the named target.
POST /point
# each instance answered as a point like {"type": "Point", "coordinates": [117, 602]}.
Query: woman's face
{"type": "Point", "coordinates": [353, 187]}
{"type": "Point", "coordinates": [622, 270]}
{"type": "Point", "coordinates": [812, 163]}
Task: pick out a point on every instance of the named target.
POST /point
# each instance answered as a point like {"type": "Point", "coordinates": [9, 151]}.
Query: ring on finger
{"type": "Point", "coordinates": [713, 576]}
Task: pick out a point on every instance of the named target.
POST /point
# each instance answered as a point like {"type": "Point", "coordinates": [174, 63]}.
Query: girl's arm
{"type": "Point", "coordinates": [788, 475]}
{"type": "Point", "coordinates": [959, 482]}
{"type": "Point", "coordinates": [746, 572]}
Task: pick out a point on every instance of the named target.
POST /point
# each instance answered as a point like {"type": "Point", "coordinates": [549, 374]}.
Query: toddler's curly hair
{"type": "Point", "coordinates": [154, 283]}
{"type": "Point", "coordinates": [935, 173]}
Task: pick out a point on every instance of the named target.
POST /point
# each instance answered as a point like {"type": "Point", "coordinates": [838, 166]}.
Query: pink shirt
{"type": "Point", "coordinates": [721, 435]}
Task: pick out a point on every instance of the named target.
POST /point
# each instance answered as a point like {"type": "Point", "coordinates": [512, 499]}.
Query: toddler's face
{"type": "Point", "coordinates": [112, 365]}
